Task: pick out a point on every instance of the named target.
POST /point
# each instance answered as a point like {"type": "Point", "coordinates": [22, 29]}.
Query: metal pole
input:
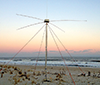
{"type": "Point", "coordinates": [46, 36]}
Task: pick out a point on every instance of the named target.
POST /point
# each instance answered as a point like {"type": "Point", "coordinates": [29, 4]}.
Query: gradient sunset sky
{"type": "Point", "coordinates": [80, 38]}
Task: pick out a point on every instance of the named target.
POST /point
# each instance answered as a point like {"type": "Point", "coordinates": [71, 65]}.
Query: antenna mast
{"type": "Point", "coordinates": [46, 50]}
{"type": "Point", "coordinates": [46, 39]}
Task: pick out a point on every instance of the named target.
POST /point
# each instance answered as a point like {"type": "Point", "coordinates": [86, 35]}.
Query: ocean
{"type": "Point", "coordinates": [53, 61]}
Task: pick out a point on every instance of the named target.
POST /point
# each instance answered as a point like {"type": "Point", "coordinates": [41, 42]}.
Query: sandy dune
{"type": "Point", "coordinates": [27, 75]}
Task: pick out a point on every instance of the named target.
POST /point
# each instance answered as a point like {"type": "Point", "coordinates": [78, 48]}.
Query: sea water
{"type": "Point", "coordinates": [53, 61]}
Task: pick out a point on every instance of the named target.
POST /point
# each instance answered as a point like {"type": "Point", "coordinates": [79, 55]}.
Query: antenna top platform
{"type": "Point", "coordinates": [46, 21]}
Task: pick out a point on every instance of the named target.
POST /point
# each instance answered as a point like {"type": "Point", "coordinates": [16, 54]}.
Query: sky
{"type": "Point", "coordinates": [80, 38]}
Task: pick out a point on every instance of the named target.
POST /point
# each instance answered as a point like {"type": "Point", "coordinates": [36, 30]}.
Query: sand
{"type": "Point", "coordinates": [27, 75]}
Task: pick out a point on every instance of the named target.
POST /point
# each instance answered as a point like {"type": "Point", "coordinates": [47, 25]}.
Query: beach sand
{"type": "Point", "coordinates": [56, 75]}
